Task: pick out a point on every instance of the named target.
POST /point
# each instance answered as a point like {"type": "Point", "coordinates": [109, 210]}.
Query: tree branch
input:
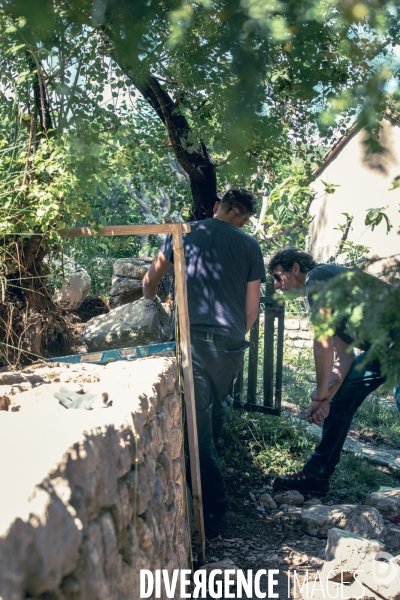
{"type": "Point", "coordinates": [286, 230]}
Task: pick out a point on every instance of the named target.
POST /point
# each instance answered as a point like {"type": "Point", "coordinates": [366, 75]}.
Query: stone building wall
{"type": "Point", "coordinates": [298, 333]}
{"type": "Point", "coordinates": [90, 497]}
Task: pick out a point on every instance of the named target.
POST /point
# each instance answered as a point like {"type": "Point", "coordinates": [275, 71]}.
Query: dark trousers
{"type": "Point", "coordinates": [359, 383]}
{"type": "Point", "coordinates": [216, 360]}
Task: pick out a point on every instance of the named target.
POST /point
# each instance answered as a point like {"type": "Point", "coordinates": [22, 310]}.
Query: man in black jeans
{"type": "Point", "coordinates": [224, 269]}
{"type": "Point", "coordinates": [342, 384]}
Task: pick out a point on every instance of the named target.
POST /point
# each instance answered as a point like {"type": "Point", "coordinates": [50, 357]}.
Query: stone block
{"type": "Point", "coordinates": [291, 497]}
{"type": "Point", "coordinates": [318, 519]}
{"type": "Point", "coordinates": [305, 324]}
{"type": "Point", "coordinates": [349, 550]}
{"type": "Point", "coordinates": [386, 500]}
{"type": "Point", "coordinates": [366, 521]}
{"type": "Point", "coordinates": [299, 343]}
{"type": "Point", "coordinates": [305, 335]}
{"type": "Point", "coordinates": [292, 324]}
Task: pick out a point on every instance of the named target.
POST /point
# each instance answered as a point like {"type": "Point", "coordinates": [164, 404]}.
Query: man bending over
{"type": "Point", "coordinates": [341, 384]}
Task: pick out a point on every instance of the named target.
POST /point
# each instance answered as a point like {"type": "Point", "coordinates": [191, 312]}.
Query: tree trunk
{"type": "Point", "coordinates": [194, 159]}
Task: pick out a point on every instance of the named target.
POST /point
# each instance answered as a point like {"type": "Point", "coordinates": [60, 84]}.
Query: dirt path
{"type": "Point", "coordinates": [256, 540]}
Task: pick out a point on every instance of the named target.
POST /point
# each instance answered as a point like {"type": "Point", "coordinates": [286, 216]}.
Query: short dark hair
{"type": "Point", "coordinates": [240, 199]}
{"type": "Point", "coordinates": [286, 258]}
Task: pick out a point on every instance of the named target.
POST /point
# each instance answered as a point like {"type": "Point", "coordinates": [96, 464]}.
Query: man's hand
{"type": "Point", "coordinates": [318, 411]}
{"type": "Point", "coordinates": [157, 269]}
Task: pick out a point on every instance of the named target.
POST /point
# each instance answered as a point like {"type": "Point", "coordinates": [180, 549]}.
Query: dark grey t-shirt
{"type": "Point", "coordinates": [220, 261]}
{"type": "Point", "coordinates": [316, 279]}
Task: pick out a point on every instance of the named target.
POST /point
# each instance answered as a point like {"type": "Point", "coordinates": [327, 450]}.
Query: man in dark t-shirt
{"type": "Point", "coordinates": [224, 269]}
{"type": "Point", "coordinates": [342, 383]}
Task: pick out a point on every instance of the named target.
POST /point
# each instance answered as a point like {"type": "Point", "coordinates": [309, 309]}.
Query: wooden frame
{"type": "Point", "coordinates": [184, 326]}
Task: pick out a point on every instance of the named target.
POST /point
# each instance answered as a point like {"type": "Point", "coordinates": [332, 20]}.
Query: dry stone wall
{"type": "Point", "coordinates": [90, 497]}
{"type": "Point", "coordinates": [298, 332]}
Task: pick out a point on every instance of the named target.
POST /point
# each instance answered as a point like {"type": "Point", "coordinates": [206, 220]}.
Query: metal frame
{"type": "Point", "coordinates": [271, 405]}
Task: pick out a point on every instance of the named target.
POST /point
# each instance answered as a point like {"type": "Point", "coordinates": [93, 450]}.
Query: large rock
{"type": "Point", "coordinates": [74, 290]}
{"type": "Point", "coordinates": [134, 324]}
{"type": "Point", "coordinates": [349, 550]}
{"type": "Point", "coordinates": [386, 500]}
{"type": "Point", "coordinates": [382, 577]}
{"type": "Point", "coordinates": [391, 538]}
{"type": "Point", "coordinates": [124, 290]}
{"type": "Point", "coordinates": [366, 521]}
{"type": "Point", "coordinates": [318, 519]}
{"type": "Point", "coordinates": [126, 284]}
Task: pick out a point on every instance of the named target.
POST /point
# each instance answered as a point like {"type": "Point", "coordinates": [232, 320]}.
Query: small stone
{"type": "Point", "coordinates": [291, 497]}
{"type": "Point", "coordinates": [252, 496]}
{"type": "Point", "coordinates": [267, 501]}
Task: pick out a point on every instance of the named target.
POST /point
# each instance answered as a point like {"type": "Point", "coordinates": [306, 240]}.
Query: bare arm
{"type": "Point", "coordinates": [341, 366]}
{"type": "Point", "coordinates": [252, 302]}
{"type": "Point", "coordinates": [330, 375]}
{"type": "Point", "coordinates": [157, 270]}
{"type": "Point", "coordinates": [323, 357]}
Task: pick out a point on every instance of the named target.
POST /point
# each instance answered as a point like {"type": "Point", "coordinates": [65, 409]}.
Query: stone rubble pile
{"type": "Point", "coordinates": [358, 538]}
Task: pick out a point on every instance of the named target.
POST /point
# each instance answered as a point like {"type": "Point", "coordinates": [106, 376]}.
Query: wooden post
{"type": "Point", "coordinates": [186, 352]}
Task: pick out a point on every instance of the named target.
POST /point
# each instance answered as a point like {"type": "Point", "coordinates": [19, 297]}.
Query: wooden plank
{"type": "Point", "coordinates": [124, 230]}
{"type": "Point", "coordinates": [186, 352]}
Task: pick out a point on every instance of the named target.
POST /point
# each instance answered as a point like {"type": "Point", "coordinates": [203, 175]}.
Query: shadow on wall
{"type": "Point", "coordinates": [379, 162]}
{"type": "Point", "coordinates": [319, 222]}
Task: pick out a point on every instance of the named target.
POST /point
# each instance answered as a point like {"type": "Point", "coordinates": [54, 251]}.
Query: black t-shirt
{"type": "Point", "coordinates": [220, 261]}
{"type": "Point", "coordinates": [315, 279]}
